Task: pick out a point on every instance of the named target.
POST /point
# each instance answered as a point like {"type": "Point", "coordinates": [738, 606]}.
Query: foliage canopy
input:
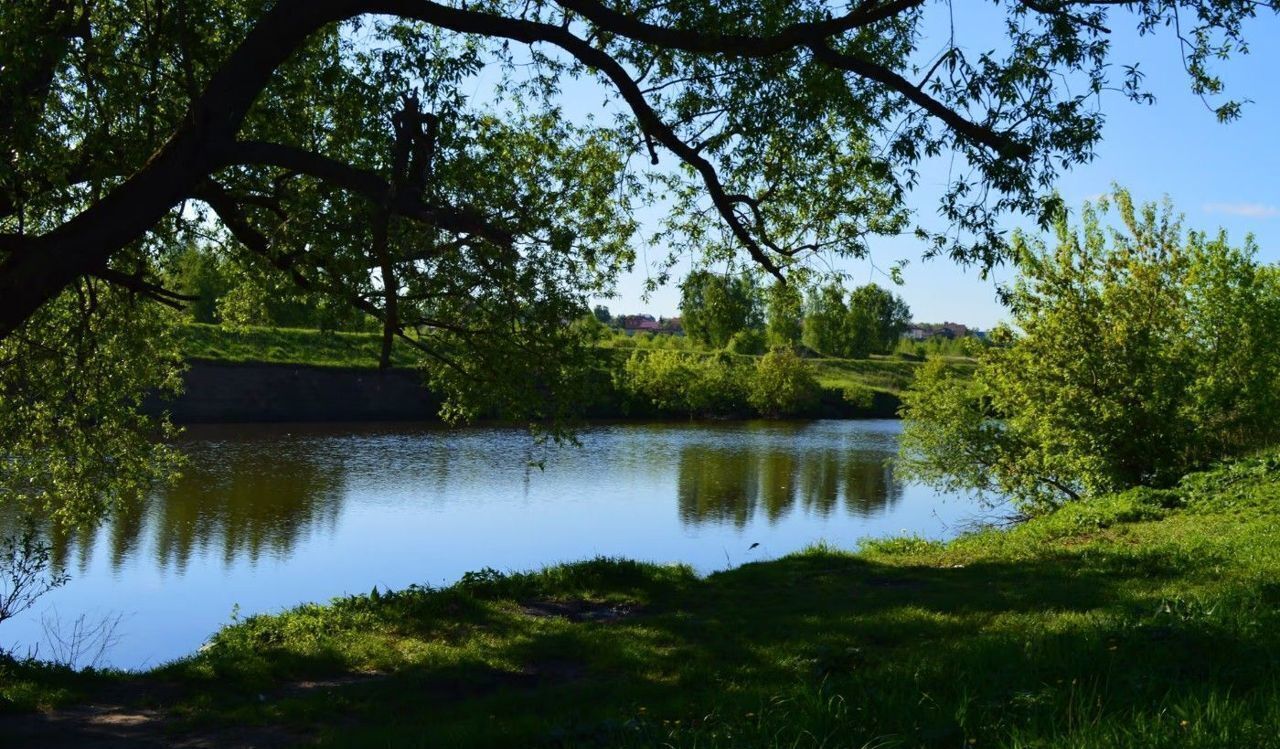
{"type": "Point", "coordinates": [714, 307]}
{"type": "Point", "coordinates": [1145, 352]}
{"type": "Point", "coordinates": [870, 320]}
{"type": "Point", "coordinates": [413, 160]}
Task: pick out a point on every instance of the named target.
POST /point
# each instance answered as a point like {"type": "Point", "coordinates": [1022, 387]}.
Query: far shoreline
{"type": "Point", "coordinates": [259, 392]}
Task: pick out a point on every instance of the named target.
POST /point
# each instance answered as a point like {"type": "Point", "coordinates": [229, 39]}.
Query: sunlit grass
{"type": "Point", "coordinates": [286, 346]}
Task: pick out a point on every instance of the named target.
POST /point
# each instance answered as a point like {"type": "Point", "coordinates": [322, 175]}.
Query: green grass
{"type": "Point", "coordinates": [1146, 619]}
{"type": "Point", "coordinates": [884, 374]}
{"type": "Point", "coordinates": [287, 346]}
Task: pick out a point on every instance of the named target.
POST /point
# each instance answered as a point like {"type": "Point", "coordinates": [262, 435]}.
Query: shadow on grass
{"type": "Point", "coordinates": [818, 649]}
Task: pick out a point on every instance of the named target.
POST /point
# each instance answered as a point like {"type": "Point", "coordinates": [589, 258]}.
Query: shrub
{"type": "Point", "coordinates": [685, 383]}
{"type": "Point", "coordinates": [750, 341]}
{"type": "Point", "coordinates": [243, 306]}
{"type": "Point", "coordinates": [719, 386]}
{"type": "Point", "coordinates": [1143, 356]}
{"type": "Point", "coordinates": [783, 384]}
{"type": "Point", "coordinates": [858, 396]}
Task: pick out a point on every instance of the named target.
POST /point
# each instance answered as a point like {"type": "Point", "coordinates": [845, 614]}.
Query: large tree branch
{"type": "Point", "coordinates": [34, 273]}
{"type": "Point", "coordinates": [650, 122]}
{"type": "Point", "coordinates": [1003, 143]}
{"type": "Point", "coordinates": [744, 45]}
{"type": "Point", "coordinates": [225, 205]}
{"type": "Point", "coordinates": [1058, 10]}
{"type": "Point", "coordinates": [29, 75]}
{"type": "Point", "coordinates": [139, 285]}
{"type": "Point", "coordinates": [815, 37]}
{"type": "Point", "coordinates": [368, 185]}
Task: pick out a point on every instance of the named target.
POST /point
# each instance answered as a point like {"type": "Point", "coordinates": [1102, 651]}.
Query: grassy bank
{"type": "Point", "coordinates": [1149, 619]}
{"type": "Point", "coordinates": [286, 346]}
{"type": "Point", "coordinates": [882, 374]}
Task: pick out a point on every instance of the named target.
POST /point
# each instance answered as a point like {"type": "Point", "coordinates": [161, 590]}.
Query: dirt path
{"type": "Point", "coordinates": [106, 726]}
{"type": "Point", "coordinates": [118, 719]}
{"type": "Point", "coordinates": [135, 712]}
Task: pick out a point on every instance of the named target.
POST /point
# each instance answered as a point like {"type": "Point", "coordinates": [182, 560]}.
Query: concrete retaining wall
{"type": "Point", "coordinates": [238, 393]}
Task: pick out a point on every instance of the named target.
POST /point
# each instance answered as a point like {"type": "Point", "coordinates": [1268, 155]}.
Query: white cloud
{"type": "Point", "coordinates": [1248, 210]}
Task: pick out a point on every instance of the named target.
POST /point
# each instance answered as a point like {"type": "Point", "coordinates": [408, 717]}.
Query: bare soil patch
{"type": "Point", "coordinates": [580, 611]}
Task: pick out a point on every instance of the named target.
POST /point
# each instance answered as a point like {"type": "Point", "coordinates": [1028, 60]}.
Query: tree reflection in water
{"type": "Point", "coordinates": [252, 493]}
{"type": "Point", "coordinates": [727, 484]}
{"type": "Point", "coordinates": [246, 507]}
{"type": "Point", "coordinates": [242, 499]}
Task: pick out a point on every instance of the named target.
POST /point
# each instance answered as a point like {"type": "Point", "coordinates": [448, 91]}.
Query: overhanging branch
{"type": "Point", "coordinates": [366, 184]}
{"type": "Point", "coordinates": [140, 285]}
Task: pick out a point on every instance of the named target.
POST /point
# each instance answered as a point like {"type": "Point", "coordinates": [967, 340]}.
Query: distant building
{"type": "Point", "coordinates": [925, 331]}
{"type": "Point", "coordinates": [632, 324]}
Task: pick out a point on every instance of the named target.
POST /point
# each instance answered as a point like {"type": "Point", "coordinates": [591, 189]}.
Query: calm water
{"type": "Point", "coordinates": [268, 517]}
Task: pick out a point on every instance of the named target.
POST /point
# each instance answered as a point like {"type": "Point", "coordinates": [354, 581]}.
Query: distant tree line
{"type": "Point", "coordinates": [224, 290]}
{"type": "Point", "coordinates": [734, 312]}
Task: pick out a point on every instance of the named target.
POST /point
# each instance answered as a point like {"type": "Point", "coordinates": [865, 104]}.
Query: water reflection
{"type": "Point", "coordinates": [240, 501]}
{"type": "Point", "coordinates": [246, 505]}
{"type": "Point", "coordinates": [730, 485]}
{"type": "Point", "coordinates": [268, 517]}
{"type": "Point", "coordinates": [259, 493]}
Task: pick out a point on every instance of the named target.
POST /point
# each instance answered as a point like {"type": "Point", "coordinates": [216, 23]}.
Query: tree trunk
{"type": "Point", "coordinates": [390, 290]}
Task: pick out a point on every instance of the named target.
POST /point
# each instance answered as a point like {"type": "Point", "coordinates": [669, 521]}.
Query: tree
{"type": "Point", "coordinates": [750, 342]}
{"type": "Point", "coordinates": [877, 319]}
{"type": "Point", "coordinates": [826, 320]}
{"type": "Point", "coordinates": [75, 440]}
{"type": "Point", "coordinates": [341, 144]}
{"type": "Point", "coordinates": [714, 308]}
{"type": "Point", "coordinates": [1144, 353]}
{"type": "Point", "coordinates": [224, 290]}
{"type": "Point", "coordinates": [601, 313]}
{"type": "Point", "coordinates": [784, 311]}
{"type": "Point", "coordinates": [200, 274]}
{"type": "Point", "coordinates": [79, 194]}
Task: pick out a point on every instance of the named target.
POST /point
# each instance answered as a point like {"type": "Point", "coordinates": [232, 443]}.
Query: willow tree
{"type": "Point", "coordinates": [429, 162]}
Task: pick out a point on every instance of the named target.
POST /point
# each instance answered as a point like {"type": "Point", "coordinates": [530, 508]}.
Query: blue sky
{"type": "Point", "coordinates": [1217, 175]}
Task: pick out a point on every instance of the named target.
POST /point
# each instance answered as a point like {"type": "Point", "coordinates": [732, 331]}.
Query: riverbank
{"type": "Point", "coordinates": [1148, 619]}
{"type": "Point", "coordinates": [289, 375]}
{"type": "Point", "coordinates": [240, 392]}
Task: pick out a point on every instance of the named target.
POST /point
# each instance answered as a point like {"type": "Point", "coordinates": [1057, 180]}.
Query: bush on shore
{"type": "Point", "coordinates": [1145, 352]}
{"type": "Point", "coordinates": [779, 384]}
{"type": "Point", "coordinates": [782, 384]}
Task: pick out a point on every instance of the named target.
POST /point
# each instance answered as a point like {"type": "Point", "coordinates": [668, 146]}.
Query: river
{"type": "Point", "coordinates": [266, 517]}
